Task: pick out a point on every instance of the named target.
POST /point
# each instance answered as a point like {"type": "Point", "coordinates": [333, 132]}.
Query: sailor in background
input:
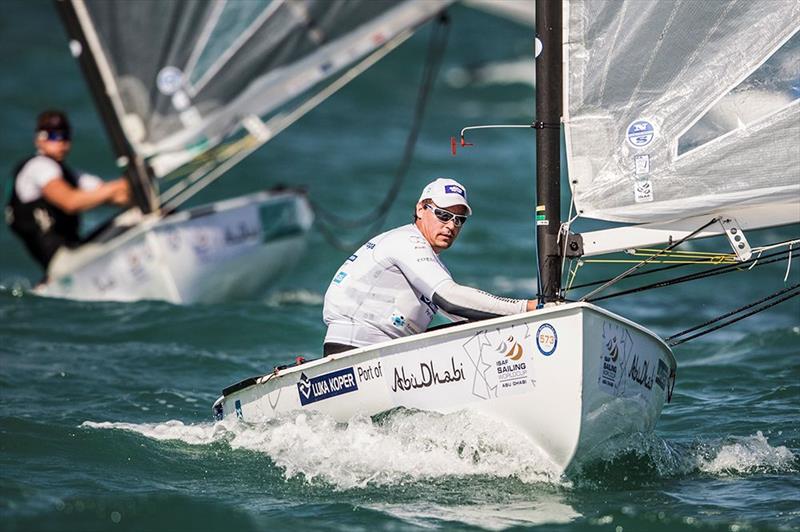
{"type": "Point", "coordinates": [395, 283]}
{"type": "Point", "coordinates": [46, 195]}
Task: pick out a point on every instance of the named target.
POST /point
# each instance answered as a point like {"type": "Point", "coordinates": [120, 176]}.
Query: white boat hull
{"type": "Point", "coordinates": [234, 248]}
{"type": "Point", "coordinates": [568, 377]}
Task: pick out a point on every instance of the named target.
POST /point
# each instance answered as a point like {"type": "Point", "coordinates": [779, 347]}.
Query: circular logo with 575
{"type": "Point", "coordinates": [546, 339]}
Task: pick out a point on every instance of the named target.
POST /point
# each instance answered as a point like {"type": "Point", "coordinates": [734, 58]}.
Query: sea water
{"type": "Point", "coordinates": [106, 407]}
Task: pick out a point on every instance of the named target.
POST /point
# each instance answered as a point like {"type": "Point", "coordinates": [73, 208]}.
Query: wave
{"type": "Point", "coordinates": [643, 457]}
{"type": "Point", "coordinates": [394, 448]}
{"type": "Point", "coordinates": [748, 454]}
{"type": "Point", "coordinates": [15, 286]}
{"type": "Point", "coordinates": [407, 446]}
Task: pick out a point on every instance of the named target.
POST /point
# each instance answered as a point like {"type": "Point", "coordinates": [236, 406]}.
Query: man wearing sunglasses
{"type": "Point", "coordinates": [394, 284]}
{"type": "Point", "coordinates": [46, 195]}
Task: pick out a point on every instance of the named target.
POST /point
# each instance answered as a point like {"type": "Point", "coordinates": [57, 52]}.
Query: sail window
{"type": "Point", "coordinates": [230, 24]}
{"type": "Point", "coordinates": [771, 87]}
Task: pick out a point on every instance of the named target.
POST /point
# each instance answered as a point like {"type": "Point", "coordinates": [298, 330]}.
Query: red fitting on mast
{"type": "Point", "coordinates": [453, 144]}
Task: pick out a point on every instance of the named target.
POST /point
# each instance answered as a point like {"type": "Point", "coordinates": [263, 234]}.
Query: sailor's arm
{"type": "Point", "coordinates": [74, 200]}
{"type": "Point", "coordinates": [474, 304]}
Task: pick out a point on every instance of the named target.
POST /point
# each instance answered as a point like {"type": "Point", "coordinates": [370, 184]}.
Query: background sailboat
{"type": "Point", "coordinates": [186, 92]}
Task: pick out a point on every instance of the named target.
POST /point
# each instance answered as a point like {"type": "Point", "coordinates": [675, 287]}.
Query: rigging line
{"type": "Point", "coordinates": [683, 253]}
{"type": "Point", "coordinates": [656, 270]}
{"type": "Point", "coordinates": [759, 257]}
{"type": "Point", "coordinates": [691, 277]}
{"type": "Point", "coordinates": [436, 47]}
{"type": "Point", "coordinates": [789, 243]}
{"type": "Point", "coordinates": [636, 267]}
{"type": "Point", "coordinates": [731, 313]}
{"type": "Point", "coordinates": [700, 261]}
{"type": "Point", "coordinates": [788, 264]}
{"type": "Point", "coordinates": [788, 291]}
{"type": "Point", "coordinates": [572, 274]}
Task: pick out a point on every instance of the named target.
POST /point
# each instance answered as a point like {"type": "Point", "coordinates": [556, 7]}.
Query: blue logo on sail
{"type": "Point", "coordinates": [640, 133]}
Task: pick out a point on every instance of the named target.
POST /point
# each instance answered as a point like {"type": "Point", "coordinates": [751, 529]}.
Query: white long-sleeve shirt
{"type": "Point", "coordinates": [393, 285]}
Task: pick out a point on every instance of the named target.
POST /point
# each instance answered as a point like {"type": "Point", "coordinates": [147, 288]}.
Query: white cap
{"type": "Point", "coordinates": [446, 192]}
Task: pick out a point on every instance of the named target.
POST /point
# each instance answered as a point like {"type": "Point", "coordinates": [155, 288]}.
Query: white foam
{"type": "Point", "coordinates": [718, 457]}
{"type": "Point", "coordinates": [404, 446]}
{"type": "Point", "coordinates": [202, 434]}
{"type": "Point", "coordinates": [16, 286]}
{"type": "Point", "coordinates": [747, 455]}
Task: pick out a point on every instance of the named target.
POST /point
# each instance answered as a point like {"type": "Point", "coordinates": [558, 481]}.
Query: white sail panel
{"type": "Point", "coordinates": [679, 108]}
{"type": "Point", "coordinates": [187, 73]}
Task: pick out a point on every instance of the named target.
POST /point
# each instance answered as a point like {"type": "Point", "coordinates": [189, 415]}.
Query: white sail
{"type": "Point", "coordinates": [184, 76]}
{"type": "Point", "coordinates": [679, 108]}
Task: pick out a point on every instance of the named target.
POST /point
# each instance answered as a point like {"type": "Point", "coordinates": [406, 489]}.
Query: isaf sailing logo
{"type": "Point", "coordinates": [510, 370]}
{"type": "Point", "coordinates": [326, 386]}
{"type": "Point", "coordinates": [514, 352]}
{"type": "Point", "coordinates": [617, 345]}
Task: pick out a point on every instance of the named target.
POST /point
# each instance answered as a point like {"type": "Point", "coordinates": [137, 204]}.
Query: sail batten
{"type": "Point", "coordinates": [675, 109]}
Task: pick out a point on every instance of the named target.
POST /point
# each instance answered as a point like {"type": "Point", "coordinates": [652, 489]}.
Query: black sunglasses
{"type": "Point", "coordinates": [445, 216]}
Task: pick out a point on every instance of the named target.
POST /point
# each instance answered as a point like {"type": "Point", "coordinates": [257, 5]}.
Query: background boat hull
{"type": "Point", "coordinates": [221, 251]}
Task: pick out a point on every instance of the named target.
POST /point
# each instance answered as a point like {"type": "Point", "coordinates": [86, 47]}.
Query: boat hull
{"type": "Point", "coordinates": [569, 378]}
{"type": "Point", "coordinates": [226, 250]}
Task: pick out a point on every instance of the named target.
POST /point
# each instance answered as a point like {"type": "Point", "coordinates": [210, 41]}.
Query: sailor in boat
{"type": "Point", "coordinates": [47, 196]}
{"type": "Point", "coordinates": [394, 284]}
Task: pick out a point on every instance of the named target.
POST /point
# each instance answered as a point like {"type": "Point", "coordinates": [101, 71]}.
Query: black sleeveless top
{"type": "Point", "coordinates": [42, 226]}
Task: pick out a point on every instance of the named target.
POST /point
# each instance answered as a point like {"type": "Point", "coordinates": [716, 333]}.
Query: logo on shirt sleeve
{"type": "Point", "coordinates": [398, 320]}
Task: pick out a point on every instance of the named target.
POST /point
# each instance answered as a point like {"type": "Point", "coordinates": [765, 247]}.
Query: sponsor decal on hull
{"type": "Point", "coordinates": [500, 363]}
{"type": "Point", "coordinates": [546, 339]}
{"type": "Point", "coordinates": [628, 369]}
{"type": "Point", "coordinates": [369, 372]}
{"type": "Point", "coordinates": [326, 386]}
{"type": "Point", "coordinates": [427, 376]}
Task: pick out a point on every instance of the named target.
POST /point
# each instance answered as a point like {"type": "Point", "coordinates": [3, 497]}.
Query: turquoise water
{"type": "Point", "coordinates": [106, 421]}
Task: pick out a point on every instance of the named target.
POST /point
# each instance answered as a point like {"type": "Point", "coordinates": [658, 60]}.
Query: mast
{"type": "Point", "coordinates": [137, 172]}
{"type": "Point", "coordinates": [548, 147]}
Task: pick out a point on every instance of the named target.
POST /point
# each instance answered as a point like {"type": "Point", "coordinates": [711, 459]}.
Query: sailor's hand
{"type": "Point", "coordinates": [121, 193]}
{"type": "Point", "coordinates": [531, 305]}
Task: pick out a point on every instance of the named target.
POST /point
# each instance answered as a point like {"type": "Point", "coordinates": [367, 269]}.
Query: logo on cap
{"type": "Point", "coordinates": [454, 189]}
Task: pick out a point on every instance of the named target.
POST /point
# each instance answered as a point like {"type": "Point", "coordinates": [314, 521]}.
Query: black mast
{"type": "Point", "coordinates": [137, 171]}
{"type": "Point", "coordinates": [548, 147]}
